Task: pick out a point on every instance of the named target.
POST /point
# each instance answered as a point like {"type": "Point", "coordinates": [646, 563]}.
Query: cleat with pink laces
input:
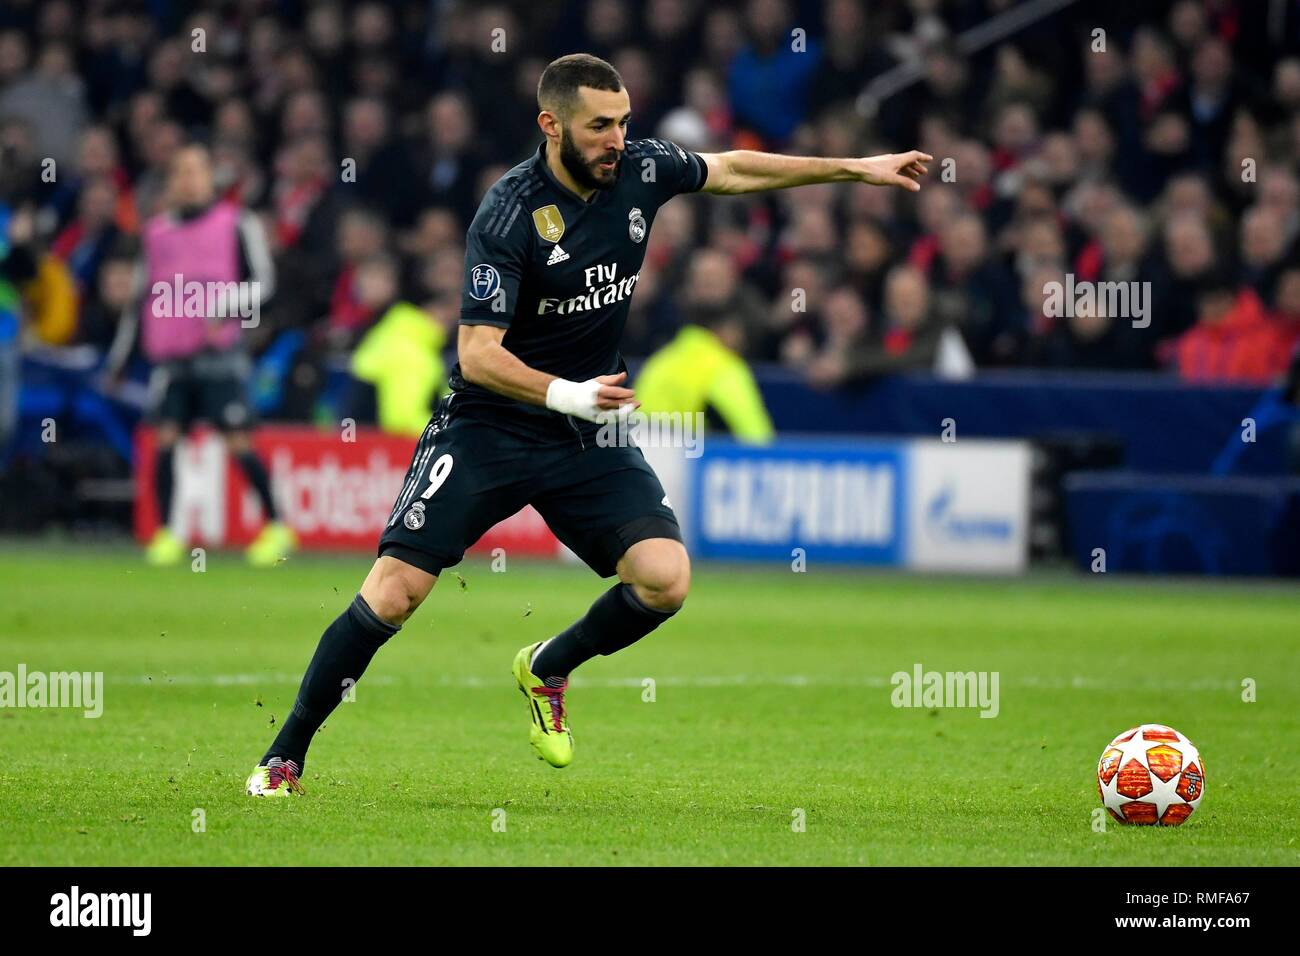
{"type": "Point", "coordinates": [275, 778]}
{"type": "Point", "coordinates": [550, 734]}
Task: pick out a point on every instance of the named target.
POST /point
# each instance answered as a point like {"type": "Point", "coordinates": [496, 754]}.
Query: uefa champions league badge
{"type": "Point", "coordinates": [415, 516]}
{"type": "Point", "coordinates": [636, 225]}
{"type": "Point", "coordinates": [484, 280]}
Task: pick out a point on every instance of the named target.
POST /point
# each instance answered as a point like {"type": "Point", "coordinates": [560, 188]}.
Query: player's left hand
{"type": "Point", "coordinates": [896, 169]}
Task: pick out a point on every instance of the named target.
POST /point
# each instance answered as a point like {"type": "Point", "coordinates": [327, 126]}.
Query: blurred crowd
{"type": "Point", "coordinates": [1111, 142]}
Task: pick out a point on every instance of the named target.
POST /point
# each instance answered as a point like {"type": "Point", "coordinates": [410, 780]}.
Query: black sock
{"type": "Point", "coordinates": [162, 483]}
{"type": "Point", "coordinates": [616, 620]}
{"type": "Point", "coordinates": [344, 651]}
{"type": "Point", "coordinates": [255, 472]}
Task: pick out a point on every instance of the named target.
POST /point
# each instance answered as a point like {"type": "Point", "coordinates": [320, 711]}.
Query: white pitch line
{"type": "Point", "coordinates": [223, 680]}
{"type": "Point", "coordinates": [1033, 682]}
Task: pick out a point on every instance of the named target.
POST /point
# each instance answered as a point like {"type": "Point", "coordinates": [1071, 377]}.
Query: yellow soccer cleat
{"type": "Point", "coordinates": [164, 548]}
{"type": "Point", "coordinates": [275, 778]}
{"type": "Point", "coordinates": [275, 542]}
{"type": "Point", "coordinates": [549, 735]}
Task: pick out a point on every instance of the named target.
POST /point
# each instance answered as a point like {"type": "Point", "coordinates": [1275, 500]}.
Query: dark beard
{"type": "Point", "coordinates": [580, 170]}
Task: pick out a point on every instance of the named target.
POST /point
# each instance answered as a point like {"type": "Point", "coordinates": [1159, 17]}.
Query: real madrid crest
{"type": "Point", "coordinates": [636, 225]}
{"type": "Point", "coordinates": [549, 223]}
{"type": "Point", "coordinates": [415, 516]}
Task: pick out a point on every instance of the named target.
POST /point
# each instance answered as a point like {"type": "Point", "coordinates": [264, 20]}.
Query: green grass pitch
{"type": "Point", "coordinates": [771, 696]}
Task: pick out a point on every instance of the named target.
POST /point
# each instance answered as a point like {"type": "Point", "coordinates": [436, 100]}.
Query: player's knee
{"type": "Point", "coordinates": [394, 589]}
{"type": "Point", "coordinates": [392, 600]}
{"type": "Point", "coordinates": [663, 579]}
{"type": "Point", "coordinates": [672, 594]}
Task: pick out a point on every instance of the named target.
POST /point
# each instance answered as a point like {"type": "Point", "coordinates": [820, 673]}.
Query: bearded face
{"type": "Point", "coordinates": [597, 169]}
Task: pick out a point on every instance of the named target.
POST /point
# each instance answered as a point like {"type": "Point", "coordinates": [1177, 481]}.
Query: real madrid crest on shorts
{"type": "Point", "coordinates": [636, 225]}
{"type": "Point", "coordinates": [415, 516]}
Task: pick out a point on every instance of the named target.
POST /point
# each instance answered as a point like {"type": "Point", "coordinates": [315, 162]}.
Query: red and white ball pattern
{"type": "Point", "coordinates": [1151, 775]}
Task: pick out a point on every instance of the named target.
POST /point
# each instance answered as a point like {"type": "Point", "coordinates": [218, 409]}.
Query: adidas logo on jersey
{"type": "Point", "coordinates": [557, 255]}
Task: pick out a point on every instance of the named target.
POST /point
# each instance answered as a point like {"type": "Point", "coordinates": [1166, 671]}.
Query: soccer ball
{"type": "Point", "coordinates": [1151, 774]}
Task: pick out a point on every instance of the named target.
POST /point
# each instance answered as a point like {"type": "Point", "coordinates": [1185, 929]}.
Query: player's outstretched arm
{"type": "Point", "coordinates": [747, 171]}
{"type": "Point", "coordinates": [485, 361]}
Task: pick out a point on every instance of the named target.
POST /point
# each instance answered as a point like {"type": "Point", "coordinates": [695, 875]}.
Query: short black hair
{"type": "Point", "coordinates": [123, 247]}
{"type": "Point", "coordinates": [558, 87]}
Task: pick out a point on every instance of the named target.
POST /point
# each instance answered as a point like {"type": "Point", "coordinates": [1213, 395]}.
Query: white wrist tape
{"type": "Point", "coordinates": [574, 398]}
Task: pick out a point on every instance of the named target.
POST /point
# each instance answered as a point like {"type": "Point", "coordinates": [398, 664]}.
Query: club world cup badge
{"type": "Point", "coordinates": [415, 516]}
{"type": "Point", "coordinates": [549, 223]}
{"type": "Point", "coordinates": [636, 225]}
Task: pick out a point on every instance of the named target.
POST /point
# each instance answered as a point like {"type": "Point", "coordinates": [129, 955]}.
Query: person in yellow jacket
{"type": "Point", "coordinates": [401, 354]}
{"type": "Point", "coordinates": [52, 300]}
{"type": "Point", "coordinates": [698, 371]}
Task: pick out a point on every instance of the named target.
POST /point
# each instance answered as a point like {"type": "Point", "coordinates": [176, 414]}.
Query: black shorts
{"type": "Point", "coordinates": [212, 386]}
{"type": "Point", "coordinates": [467, 474]}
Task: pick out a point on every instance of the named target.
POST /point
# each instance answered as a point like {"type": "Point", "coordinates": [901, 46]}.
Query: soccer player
{"type": "Point", "coordinates": [200, 371]}
{"type": "Point", "coordinates": [552, 258]}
